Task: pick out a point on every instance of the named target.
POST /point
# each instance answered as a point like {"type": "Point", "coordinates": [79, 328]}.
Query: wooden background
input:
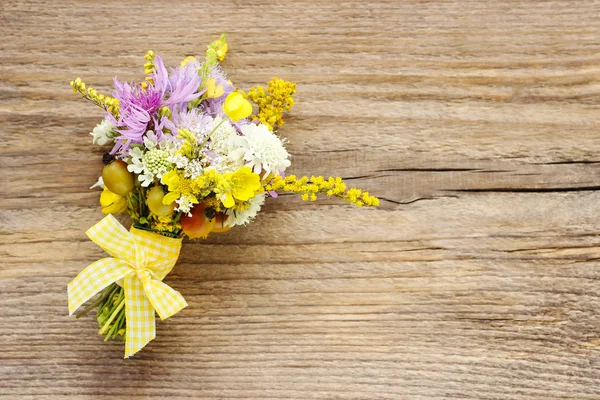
{"type": "Point", "coordinates": [475, 121]}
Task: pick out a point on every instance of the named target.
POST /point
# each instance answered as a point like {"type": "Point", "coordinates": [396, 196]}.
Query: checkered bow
{"type": "Point", "coordinates": [139, 262]}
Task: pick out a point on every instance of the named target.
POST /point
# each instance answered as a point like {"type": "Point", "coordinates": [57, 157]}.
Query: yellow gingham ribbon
{"type": "Point", "coordinates": [141, 260]}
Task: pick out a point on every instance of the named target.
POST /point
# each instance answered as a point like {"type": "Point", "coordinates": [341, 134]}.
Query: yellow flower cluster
{"type": "Point", "coordinates": [310, 187]}
{"type": "Point", "coordinates": [106, 102]}
{"type": "Point", "coordinates": [216, 51]}
{"type": "Point", "coordinates": [148, 68]}
{"type": "Point", "coordinates": [165, 224]}
{"type": "Point", "coordinates": [274, 102]}
{"type": "Point", "coordinates": [189, 147]}
{"type": "Point", "coordinates": [232, 189]}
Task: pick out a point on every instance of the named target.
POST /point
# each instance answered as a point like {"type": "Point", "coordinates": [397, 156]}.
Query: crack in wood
{"type": "Point", "coordinates": [529, 190]}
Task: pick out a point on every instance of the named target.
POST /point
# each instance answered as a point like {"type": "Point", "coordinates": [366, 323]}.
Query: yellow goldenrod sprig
{"type": "Point", "coordinates": [277, 99]}
{"type": "Point", "coordinates": [109, 103]}
{"type": "Point", "coordinates": [332, 186]}
{"type": "Point", "coordinates": [148, 68]}
{"type": "Point", "coordinates": [165, 224]}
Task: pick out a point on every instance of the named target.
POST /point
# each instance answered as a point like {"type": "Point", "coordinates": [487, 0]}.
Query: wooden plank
{"type": "Point", "coordinates": [474, 121]}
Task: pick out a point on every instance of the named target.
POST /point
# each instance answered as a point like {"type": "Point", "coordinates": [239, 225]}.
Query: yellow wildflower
{"type": "Point", "coordinates": [189, 148]}
{"type": "Point", "coordinates": [217, 50]}
{"type": "Point", "coordinates": [277, 99]}
{"type": "Point", "coordinates": [112, 203]}
{"type": "Point", "coordinates": [236, 107]}
{"type": "Point", "coordinates": [213, 90]}
{"type": "Point", "coordinates": [149, 67]}
{"type": "Point", "coordinates": [149, 55]}
{"type": "Point", "coordinates": [178, 186]}
{"type": "Point", "coordinates": [108, 103]}
{"type": "Point", "coordinates": [240, 185]}
{"type": "Point", "coordinates": [187, 60]}
{"type": "Point", "coordinates": [309, 188]}
{"type": "Point", "coordinates": [165, 224]}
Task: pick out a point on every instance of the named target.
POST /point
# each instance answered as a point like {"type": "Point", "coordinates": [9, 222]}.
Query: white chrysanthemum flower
{"type": "Point", "coordinates": [245, 216]}
{"type": "Point", "coordinates": [261, 149]}
{"type": "Point", "coordinates": [219, 140]}
{"type": "Point", "coordinates": [103, 133]}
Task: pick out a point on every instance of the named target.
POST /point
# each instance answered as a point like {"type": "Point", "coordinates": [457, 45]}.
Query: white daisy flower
{"type": "Point", "coordinates": [243, 217]}
{"type": "Point", "coordinates": [103, 133]}
{"type": "Point", "coordinates": [261, 149]}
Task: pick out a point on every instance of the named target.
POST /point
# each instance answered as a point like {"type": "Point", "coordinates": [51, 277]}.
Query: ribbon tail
{"type": "Point", "coordinates": [139, 315]}
{"type": "Point", "coordinates": [93, 279]}
{"type": "Point", "coordinates": [113, 238]}
{"type": "Point", "coordinates": [165, 300]}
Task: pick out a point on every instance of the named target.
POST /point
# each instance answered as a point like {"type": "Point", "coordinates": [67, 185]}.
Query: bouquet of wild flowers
{"type": "Point", "coordinates": [188, 159]}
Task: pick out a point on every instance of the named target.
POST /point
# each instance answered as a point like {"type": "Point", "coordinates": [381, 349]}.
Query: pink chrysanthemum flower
{"type": "Point", "coordinates": [139, 106]}
{"type": "Point", "coordinates": [137, 110]}
{"type": "Point", "coordinates": [180, 86]}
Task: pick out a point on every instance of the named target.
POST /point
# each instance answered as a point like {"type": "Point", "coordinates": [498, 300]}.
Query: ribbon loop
{"type": "Point", "coordinates": [141, 259]}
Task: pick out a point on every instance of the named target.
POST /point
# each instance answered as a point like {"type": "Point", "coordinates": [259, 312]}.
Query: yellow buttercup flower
{"type": "Point", "coordinates": [112, 203]}
{"type": "Point", "coordinates": [213, 90]}
{"type": "Point", "coordinates": [178, 186]}
{"type": "Point", "coordinates": [236, 107]}
{"type": "Point", "coordinates": [241, 185]}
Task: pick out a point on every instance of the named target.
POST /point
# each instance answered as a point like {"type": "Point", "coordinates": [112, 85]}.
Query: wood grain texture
{"type": "Point", "coordinates": [475, 121]}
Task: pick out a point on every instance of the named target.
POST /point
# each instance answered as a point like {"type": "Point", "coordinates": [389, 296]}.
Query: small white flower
{"type": "Point", "coordinates": [245, 216]}
{"type": "Point", "coordinates": [261, 149]}
{"type": "Point", "coordinates": [103, 133]}
{"type": "Point", "coordinates": [135, 164]}
{"type": "Point", "coordinates": [184, 205]}
{"type": "Point", "coordinates": [193, 169]}
{"type": "Point", "coordinates": [180, 161]}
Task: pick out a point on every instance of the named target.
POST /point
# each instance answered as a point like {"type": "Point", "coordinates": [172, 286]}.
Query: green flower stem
{"type": "Point", "coordinates": [105, 294]}
{"type": "Point", "coordinates": [211, 132]}
{"type": "Point", "coordinates": [129, 197]}
{"type": "Point", "coordinates": [112, 332]}
{"type": "Point", "coordinates": [121, 301]}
